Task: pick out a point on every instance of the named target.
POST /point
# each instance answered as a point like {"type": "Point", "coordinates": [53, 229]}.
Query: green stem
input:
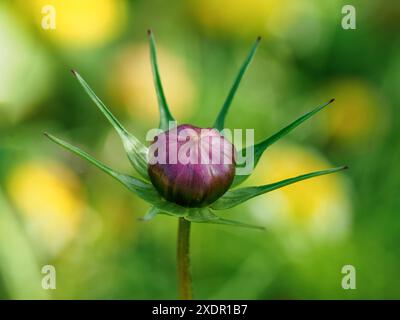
{"type": "Point", "coordinates": [183, 260]}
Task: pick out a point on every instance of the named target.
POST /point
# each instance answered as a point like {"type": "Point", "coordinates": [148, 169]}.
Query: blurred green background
{"type": "Point", "coordinates": [56, 209]}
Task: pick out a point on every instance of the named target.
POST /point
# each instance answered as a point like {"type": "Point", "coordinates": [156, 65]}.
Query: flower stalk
{"type": "Point", "coordinates": [183, 260]}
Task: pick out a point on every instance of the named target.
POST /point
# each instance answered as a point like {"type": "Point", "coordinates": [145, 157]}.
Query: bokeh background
{"type": "Point", "coordinates": [56, 209]}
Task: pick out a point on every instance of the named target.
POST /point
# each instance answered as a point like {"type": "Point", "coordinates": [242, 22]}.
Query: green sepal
{"type": "Point", "coordinates": [200, 215]}
{"type": "Point", "coordinates": [197, 215]}
{"type": "Point", "coordinates": [260, 147]}
{"type": "Point", "coordinates": [220, 121]}
{"type": "Point", "coordinates": [141, 188]}
{"type": "Point", "coordinates": [205, 215]}
{"type": "Point", "coordinates": [150, 214]}
{"type": "Point", "coordinates": [165, 114]}
{"type": "Point", "coordinates": [235, 224]}
{"type": "Point", "coordinates": [136, 151]}
{"type": "Point", "coordinates": [235, 197]}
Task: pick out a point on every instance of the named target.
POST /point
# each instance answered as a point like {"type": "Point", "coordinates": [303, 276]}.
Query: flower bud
{"type": "Point", "coordinates": [191, 166]}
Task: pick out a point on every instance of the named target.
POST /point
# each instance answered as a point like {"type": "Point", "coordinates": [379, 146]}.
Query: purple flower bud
{"type": "Point", "coordinates": [191, 166]}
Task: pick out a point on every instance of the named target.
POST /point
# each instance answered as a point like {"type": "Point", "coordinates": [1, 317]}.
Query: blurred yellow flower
{"type": "Point", "coordinates": [82, 24]}
{"type": "Point", "coordinates": [316, 208]}
{"type": "Point", "coordinates": [243, 17]}
{"type": "Point", "coordinates": [131, 83]}
{"type": "Point", "coordinates": [357, 114]}
{"type": "Point", "coordinates": [49, 197]}
{"type": "Point", "coordinates": [254, 17]}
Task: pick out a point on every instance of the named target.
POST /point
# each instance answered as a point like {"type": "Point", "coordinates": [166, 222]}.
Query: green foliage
{"type": "Point", "coordinates": [260, 147]}
{"type": "Point", "coordinates": [235, 197]}
{"type": "Point", "coordinates": [220, 121]}
{"type": "Point", "coordinates": [165, 114]}
{"type": "Point", "coordinates": [136, 151]}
